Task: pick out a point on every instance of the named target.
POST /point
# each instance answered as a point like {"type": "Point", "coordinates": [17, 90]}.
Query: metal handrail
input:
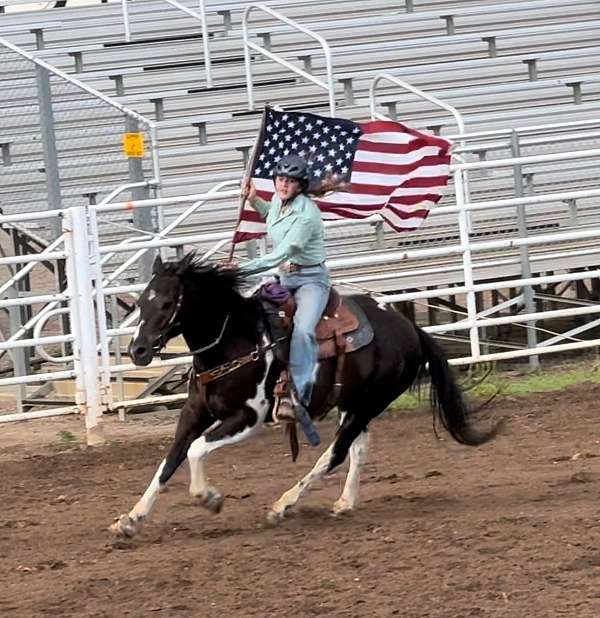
{"type": "Point", "coordinates": [420, 93]}
{"type": "Point", "coordinates": [73, 80]}
{"type": "Point", "coordinates": [201, 17]}
{"type": "Point", "coordinates": [461, 185]}
{"type": "Point", "coordinates": [329, 85]}
{"type": "Point", "coordinates": [151, 125]}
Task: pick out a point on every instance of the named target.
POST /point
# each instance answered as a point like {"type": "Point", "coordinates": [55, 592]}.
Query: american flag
{"type": "Point", "coordinates": [391, 169]}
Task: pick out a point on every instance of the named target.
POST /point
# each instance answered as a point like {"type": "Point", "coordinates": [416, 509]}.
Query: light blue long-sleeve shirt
{"type": "Point", "coordinates": [298, 235]}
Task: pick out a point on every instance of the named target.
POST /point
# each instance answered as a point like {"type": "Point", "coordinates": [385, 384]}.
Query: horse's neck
{"type": "Point", "coordinates": [221, 338]}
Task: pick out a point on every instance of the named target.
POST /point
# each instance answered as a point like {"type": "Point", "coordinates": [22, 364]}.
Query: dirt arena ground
{"type": "Point", "coordinates": [509, 530]}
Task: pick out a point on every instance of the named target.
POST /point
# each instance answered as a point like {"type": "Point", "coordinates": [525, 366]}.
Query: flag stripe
{"type": "Point", "coordinates": [414, 154]}
{"type": "Point", "coordinates": [393, 148]}
{"type": "Point", "coordinates": [377, 126]}
{"type": "Point", "coordinates": [392, 169]}
{"type": "Point", "coordinates": [386, 138]}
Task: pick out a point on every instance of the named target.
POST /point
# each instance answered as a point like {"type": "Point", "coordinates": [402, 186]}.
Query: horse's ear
{"type": "Point", "coordinates": [158, 267]}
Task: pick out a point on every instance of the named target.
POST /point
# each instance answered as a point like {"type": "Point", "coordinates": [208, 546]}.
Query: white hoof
{"type": "Point", "coordinates": [125, 526]}
{"type": "Point", "coordinates": [341, 507]}
{"type": "Point", "coordinates": [274, 518]}
{"type": "Point", "coordinates": [211, 500]}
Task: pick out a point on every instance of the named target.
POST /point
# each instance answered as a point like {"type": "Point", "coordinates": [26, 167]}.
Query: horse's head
{"type": "Point", "coordinates": [191, 298]}
{"type": "Point", "coordinates": [159, 305]}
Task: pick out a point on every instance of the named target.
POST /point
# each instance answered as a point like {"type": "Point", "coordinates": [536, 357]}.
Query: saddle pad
{"type": "Point", "coordinates": [355, 325]}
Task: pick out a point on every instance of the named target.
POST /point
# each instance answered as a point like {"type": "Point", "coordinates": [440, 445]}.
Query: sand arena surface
{"type": "Point", "coordinates": [508, 530]}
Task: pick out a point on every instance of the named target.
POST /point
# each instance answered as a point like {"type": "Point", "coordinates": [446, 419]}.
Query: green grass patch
{"type": "Point", "coordinates": [509, 383]}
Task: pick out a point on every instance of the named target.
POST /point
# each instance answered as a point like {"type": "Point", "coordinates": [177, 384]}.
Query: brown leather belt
{"type": "Point", "coordinates": [290, 267]}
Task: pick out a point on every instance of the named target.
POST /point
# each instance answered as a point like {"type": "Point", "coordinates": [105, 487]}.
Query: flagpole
{"type": "Point", "coordinates": [248, 174]}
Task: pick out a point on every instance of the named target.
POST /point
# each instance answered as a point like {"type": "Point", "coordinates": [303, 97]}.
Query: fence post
{"type": "Point", "coordinates": [463, 226]}
{"type": "Point", "coordinates": [51, 168]}
{"type": "Point", "coordinates": [142, 217]}
{"type": "Point", "coordinates": [49, 143]}
{"type": "Point", "coordinates": [534, 361]}
{"type": "Point", "coordinates": [83, 322]}
{"type": "Point", "coordinates": [96, 272]}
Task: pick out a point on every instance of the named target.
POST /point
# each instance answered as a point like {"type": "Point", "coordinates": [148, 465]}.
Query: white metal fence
{"type": "Point", "coordinates": [89, 288]}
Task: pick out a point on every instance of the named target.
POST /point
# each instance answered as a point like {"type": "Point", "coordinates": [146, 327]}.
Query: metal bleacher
{"type": "Point", "coordinates": [503, 65]}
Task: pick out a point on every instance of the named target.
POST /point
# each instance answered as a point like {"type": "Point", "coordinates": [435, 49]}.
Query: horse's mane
{"type": "Point", "coordinates": [193, 268]}
{"type": "Point", "coordinates": [213, 284]}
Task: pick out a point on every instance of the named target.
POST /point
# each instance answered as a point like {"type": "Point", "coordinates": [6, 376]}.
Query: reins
{"type": "Point", "coordinates": [226, 368]}
{"type": "Point", "coordinates": [161, 342]}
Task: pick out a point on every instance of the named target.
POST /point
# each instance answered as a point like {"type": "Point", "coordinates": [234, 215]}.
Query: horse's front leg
{"type": "Point", "coordinates": [194, 419]}
{"type": "Point", "coordinates": [239, 426]}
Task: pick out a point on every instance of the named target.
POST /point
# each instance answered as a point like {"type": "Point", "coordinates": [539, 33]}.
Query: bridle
{"type": "Point", "coordinates": [219, 371]}
{"type": "Point", "coordinates": [162, 340]}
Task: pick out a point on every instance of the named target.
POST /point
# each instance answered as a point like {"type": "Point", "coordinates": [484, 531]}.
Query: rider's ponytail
{"type": "Point", "coordinates": [329, 184]}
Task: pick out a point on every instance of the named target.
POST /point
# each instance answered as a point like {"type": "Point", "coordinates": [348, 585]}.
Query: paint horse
{"type": "Point", "coordinates": [226, 334]}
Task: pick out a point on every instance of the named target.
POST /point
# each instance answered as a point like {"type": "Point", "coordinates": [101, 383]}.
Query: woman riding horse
{"type": "Point", "coordinates": [294, 224]}
{"type": "Point", "coordinates": [234, 369]}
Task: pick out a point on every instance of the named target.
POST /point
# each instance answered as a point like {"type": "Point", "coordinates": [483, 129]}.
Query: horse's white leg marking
{"type": "Point", "coordinates": [201, 447]}
{"type": "Point", "coordinates": [291, 497]}
{"type": "Point", "coordinates": [197, 476]}
{"type": "Point", "coordinates": [146, 502]}
{"type": "Point", "coordinates": [358, 456]}
{"type": "Point", "coordinates": [127, 525]}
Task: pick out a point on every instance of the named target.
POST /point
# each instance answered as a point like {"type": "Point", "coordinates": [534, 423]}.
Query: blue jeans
{"type": "Point", "coordinates": [310, 287]}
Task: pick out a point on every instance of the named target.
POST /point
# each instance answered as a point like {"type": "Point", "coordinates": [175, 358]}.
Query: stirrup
{"type": "Point", "coordinates": [284, 410]}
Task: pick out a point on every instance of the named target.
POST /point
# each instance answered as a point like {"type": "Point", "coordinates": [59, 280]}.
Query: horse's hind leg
{"type": "Point", "coordinates": [358, 456]}
{"type": "Point", "coordinates": [349, 430]}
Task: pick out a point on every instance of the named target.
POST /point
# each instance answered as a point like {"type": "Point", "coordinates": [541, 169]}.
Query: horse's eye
{"type": "Point", "coordinates": [166, 306]}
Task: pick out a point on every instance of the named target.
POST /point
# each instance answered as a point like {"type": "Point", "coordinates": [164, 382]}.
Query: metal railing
{"type": "Point", "coordinates": [328, 85]}
{"type": "Point", "coordinates": [93, 374]}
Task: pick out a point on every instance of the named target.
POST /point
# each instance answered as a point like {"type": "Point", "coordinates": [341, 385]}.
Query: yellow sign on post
{"type": "Point", "coordinates": [133, 145]}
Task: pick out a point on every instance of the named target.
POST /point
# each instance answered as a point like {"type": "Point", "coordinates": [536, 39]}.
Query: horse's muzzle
{"type": "Point", "coordinates": [141, 352]}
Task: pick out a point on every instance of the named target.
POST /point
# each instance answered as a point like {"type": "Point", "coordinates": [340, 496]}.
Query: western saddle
{"type": "Point", "coordinates": [337, 320]}
{"type": "Point", "coordinates": [334, 331]}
